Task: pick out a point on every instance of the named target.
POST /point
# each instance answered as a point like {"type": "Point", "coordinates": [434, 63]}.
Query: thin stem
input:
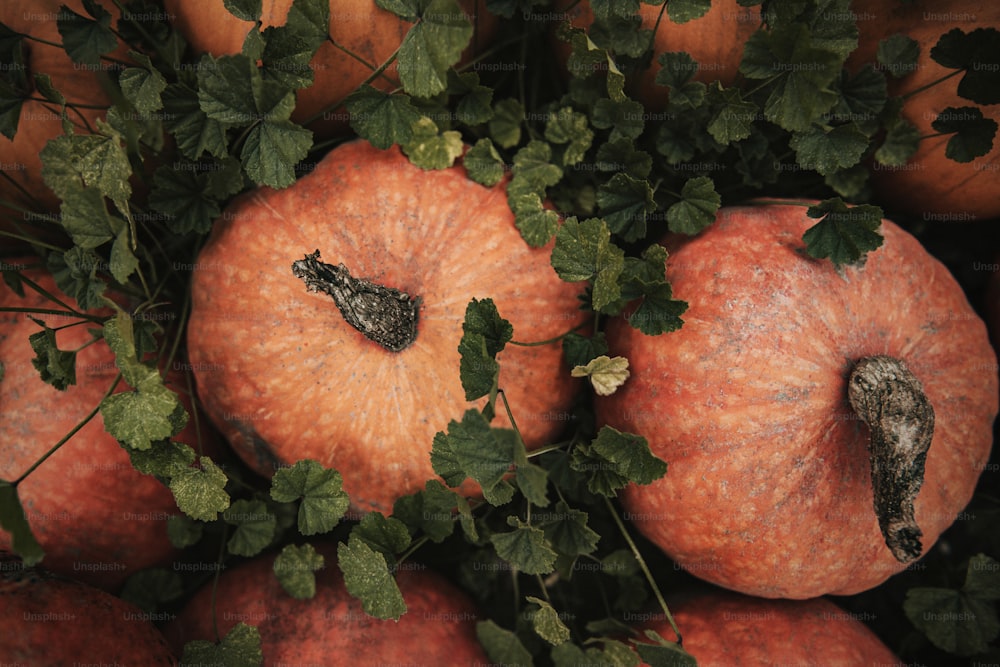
{"type": "Point", "coordinates": [921, 89]}
{"type": "Point", "coordinates": [549, 341]}
{"type": "Point", "coordinates": [69, 435]}
{"type": "Point", "coordinates": [412, 548]}
{"type": "Point", "coordinates": [643, 567]}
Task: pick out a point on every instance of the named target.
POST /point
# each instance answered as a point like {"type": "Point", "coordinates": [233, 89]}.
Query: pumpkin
{"type": "Point", "coordinates": [332, 628]}
{"type": "Point", "coordinates": [762, 405]}
{"type": "Point", "coordinates": [81, 84]}
{"type": "Point", "coordinates": [359, 26]}
{"type": "Point", "coordinates": [51, 621]}
{"type": "Point", "coordinates": [715, 41]}
{"type": "Point", "coordinates": [285, 375]}
{"type": "Point", "coordinates": [97, 518]}
{"type": "Point", "coordinates": [930, 185]}
{"type": "Point", "coordinates": [723, 628]}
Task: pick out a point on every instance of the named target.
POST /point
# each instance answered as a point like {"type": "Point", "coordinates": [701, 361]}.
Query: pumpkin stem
{"type": "Point", "coordinates": [891, 401]}
{"type": "Point", "coordinates": [384, 315]}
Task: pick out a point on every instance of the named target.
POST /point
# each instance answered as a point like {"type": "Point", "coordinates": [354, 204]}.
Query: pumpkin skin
{"type": "Point", "coordinates": [98, 519]}
{"type": "Point", "coordinates": [723, 628]}
{"type": "Point", "coordinates": [715, 41]}
{"type": "Point", "coordinates": [438, 628]}
{"type": "Point", "coordinates": [284, 376]}
{"type": "Point", "coordinates": [931, 185]}
{"type": "Point", "coordinates": [361, 26]}
{"type": "Point", "coordinates": [50, 620]}
{"type": "Point", "coordinates": [37, 124]}
{"type": "Point", "coordinates": [768, 490]}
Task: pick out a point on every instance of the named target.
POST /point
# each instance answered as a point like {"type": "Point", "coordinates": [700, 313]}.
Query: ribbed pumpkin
{"type": "Point", "coordinates": [931, 185]}
{"type": "Point", "coordinates": [769, 488]}
{"type": "Point", "coordinates": [52, 621]}
{"type": "Point", "coordinates": [332, 628]}
{"type": "Point", "coordinates": [359, 26]}
{"type": "Point", "coordinates": [721, 628]}
{"type": "Point", "coordinates": [98, 519]}
{"type": "Point", "coordinates": [286, 377]}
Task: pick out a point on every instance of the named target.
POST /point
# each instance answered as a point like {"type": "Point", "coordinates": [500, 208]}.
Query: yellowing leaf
{"type": "Point", "coordinates": [605, 373]}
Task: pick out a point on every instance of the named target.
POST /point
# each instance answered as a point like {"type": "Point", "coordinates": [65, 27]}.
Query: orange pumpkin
{"type": "Point", "coordinates": [438, 628]}
{"type": "Point", "coordinates": [50, 621]}
{"type": "Point", "coordinates": [769, 489]}
{"type": "Point", "coordinates": [722, 628]}
{"type": "Point", "coordinates": [98, 519]}
{"type": "Point", "coordinates": [83, 85]}
{"type": "Point", "coordinates": [360, 26]}
{"type": "Point", "coordinates": [715, 41]}
{"type": "Point", "coordinates": [931, 185]}
{"type": "Point", "coordinates": [285, 377]}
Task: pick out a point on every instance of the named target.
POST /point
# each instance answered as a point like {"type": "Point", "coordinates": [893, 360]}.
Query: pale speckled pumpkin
{"type": "Point", "coordinates": [332, 628]}
{"type": "Point", "coordinates": [768, 490]}
{"type": "Point", "coordinates": [286, 378]}
{"type": "Point", "coordinates": [727, 629]}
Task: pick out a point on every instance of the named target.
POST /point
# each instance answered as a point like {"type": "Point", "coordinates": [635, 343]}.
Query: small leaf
{"type": "Point", "coordinates": [682, 11]}
{"type": "Point", "coordinates": [664, 653]}
{"type": "Point", "coordinates": [827, 150]}
{"type": "Point", "coordinates": [431, 46]}
{"type": "Point", "coordinates": [982, 578]}
{"type": "Point", "coordinates": [843, 234]}
{"type": "Point", "coordinates": [84, 39]}
{"type": "Point", "coordinates": [953, 620]}
{"type": "Point", "coordinates": [532, 481]}
{"type": "Point", "coordinates": [567, 126]}
{"type": "Point", "coordinates": [606, 374]}
{"type": "Point", "coordinates": [658, 312]}
{"type": "Point", "coordinates": [430, 149]}
{"type": "Point", "coordinates": [184, 531]}
{"type": "Point", "coordinates": [734, 119]}
{"type": "Point", "coordinates": [625, 204]}
{"type": "Point", "coordinates": [472, 449]}
{"type": "Point", "coordinates": [536, 223]}
{"type": "Point", "coordinates": [201, 492]}
{"type": "Point", "coordinates": [431, 510]}
{"type": "Point", "coordinates": [630, 453]}
{"type": "Point", "coordinates": [239, 648]}
{"type": "Point", "coordinates": [255, 527]}
{"type": "Point", "coordinates": [381, 118]}
{"type": "Point", "coordinates": [547, 624]}
{"type": "Point", "coordinates": [566, 529]}
{"type": "Point", "coordinates": [295, 567]}
{"type": "Point", "coordinates": [505, 126]}
{"type": "Point", "coordinates": [976, 53]}
{"type": "Point", "coordinates": [484, 164]}
{"type": "Point", "coordinates": [502, 646]}
{"type": "Point", "coordinates": [974, 134]}
{"type": "Point", "coordinates": [367, 578]}
{"type": "Point", "coordinates": [525, 548]}
{"type": "Point", "coordinates": [697, 207]}
{"type": "Point", "coordinates": [901, 141]}
{"type": "Point", "coordinates": [897, 54]}
{"type": "Point", "coordinates": [143, 86]}
{"type": "Point", "coordinates": [324, 502]}
{"type": "Point", "coordinates": [385, 534]}
{"type": "Point", "coordinates": [56, 367]}
{"type": "Point", "coordinates": [14, 521]}
{"type": "Point", "coordinates": [149, 589]}
{"type": "Point", "coordinates": [193, 131]}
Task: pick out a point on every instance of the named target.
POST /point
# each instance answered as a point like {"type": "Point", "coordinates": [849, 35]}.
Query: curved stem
{"type": "Point", "coordinates": [548, 341]}
{"type": "Point", "coordinates": [891, 401]}
{"type": "Point", "coordinates": [645, 568]}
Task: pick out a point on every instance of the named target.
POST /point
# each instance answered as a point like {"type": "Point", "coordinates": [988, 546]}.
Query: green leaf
{"type": "Point", "coordinates": [381, 118]}
{"type": "Point", "coordinates": [295, 567]}
{"type": "Point", "coordinates": [14, 521]}
{"type": "Point", "coordinates": [863, 97]}
{"type": "Point", "coordinates": [430, 510]}
{"type": "Point", "coordinates": [472, 449]}
{"type": "Point", "coordinates": [502, 646]}
{"type": "Point", "coordinates": [532, 480]}
{"type": "Point", "coordinates": [287, 55]}
{"type": "Point", "coordinates": [658, 312]}
{"type": "Point", "coordinates": [606, 374]}
{"type": "Point", "coordinates": [184, 531]}
{"type": "Point", "coordinates": [697, 207]}
{"type": "Point", "coordinates": [201, 492]}
{"type": "Point", "coordinates": [567, 126]}
{"type": "Point", "coordinates": [141, 417]}
{"type": "Point", "coordinates": [239, 648]}
{"type": "Point", "coordinates": [149, 589]}
{"type": "Point", "coordinates": [11, 102]}
{"type": "Point", "coordinates": [525, 548]}
{"type": "Point", "coordinates": [56, 367]}
{"type": "Point", "coordinates": [579, 350]}
{"type": "Point", "coordinates": [244, 10]}
{"type": "Point", "coordinates": [84, 39]}
{"type": "Point", "coordinates": [272, 150]}
{"type": "Point", "coordinates": [532, 165]}
{"type": "Point", "coordinates": [484, 335]}
{"type": "Point", "coordinates": [676, 71]}
{"type": "Point", "coordinates": [900, 143]}
{"type": "Point", "coordinates": [583, 251]}
{"type": "Point", "coordinates": [827, 150]}
{"type": "Point", "coordinates": [75, 272]}
{"type": "Point", "coordinates": [625, 118]}
{"type": "Point", "coordinates": [324, 502]}
{"type": "Point", "coordinates": [897, 54]}
{"type": "Point", "coordinates": [255, 527]}
{"type": "Point", "coordinates": [181, 196]}
{"type": "Point", "coordinates": [484, 164]}
{"type": "Point", "coordinates": [622, 155]}
{"type": "Point", "coordinates": [428, 148]}
{"type": "Point", "coordinates": [800, 73]}
{"type": "Point", "coordinates": [974, 134]}
{"type": "Point", "coordinates": [193, 131]}
{"type": "Point", "coordinates": [566, 529]}
{"type": "Point", "coordinates": [433, 45]}
{"type": "Point", "coordinates": [982, 578]}
{"type": "Point", "coordinates": [387, 535]}
{"type": "Point", "coordinates": [367, 578]}
{"type": "Point", "coordinates": [630, 453]}
{"type": "Point", "coordinates": [143, 86]}
{"type": "Point", "coordinates": [123, 262]}
{"type": "Point", "coordinates": [546, 622]}
{"type": "Point", "coordinates": [953, 620]}
{"type": "Point", "coordinates": [976, 53]}
{"type": "Point", "coordinates": [84, 216]}
{"type": "Point", "coordinates": [536, 223]}
{"type": "Point", "coordinates": [843, 234]}
{"type": "Point", "coordinates": [733, 121]}
{"type": "Point", "coordinates": [625, 203]}
{"type": "Point", "coordinates": [166, 460]}
{"type": "Point", "coordinates": [682, 11]}
{"type": "Point", "coordinates": [505, 126]}
{"type": "Point", "coordinates": [98, 160]}
{"type": "Point", "coordinates": [664, 653]}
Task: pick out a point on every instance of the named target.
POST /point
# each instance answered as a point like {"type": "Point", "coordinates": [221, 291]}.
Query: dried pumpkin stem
{"type": "Point", "coordinates": [891, 401]}
{"type": "Point", "coordinates": [384, 315]}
